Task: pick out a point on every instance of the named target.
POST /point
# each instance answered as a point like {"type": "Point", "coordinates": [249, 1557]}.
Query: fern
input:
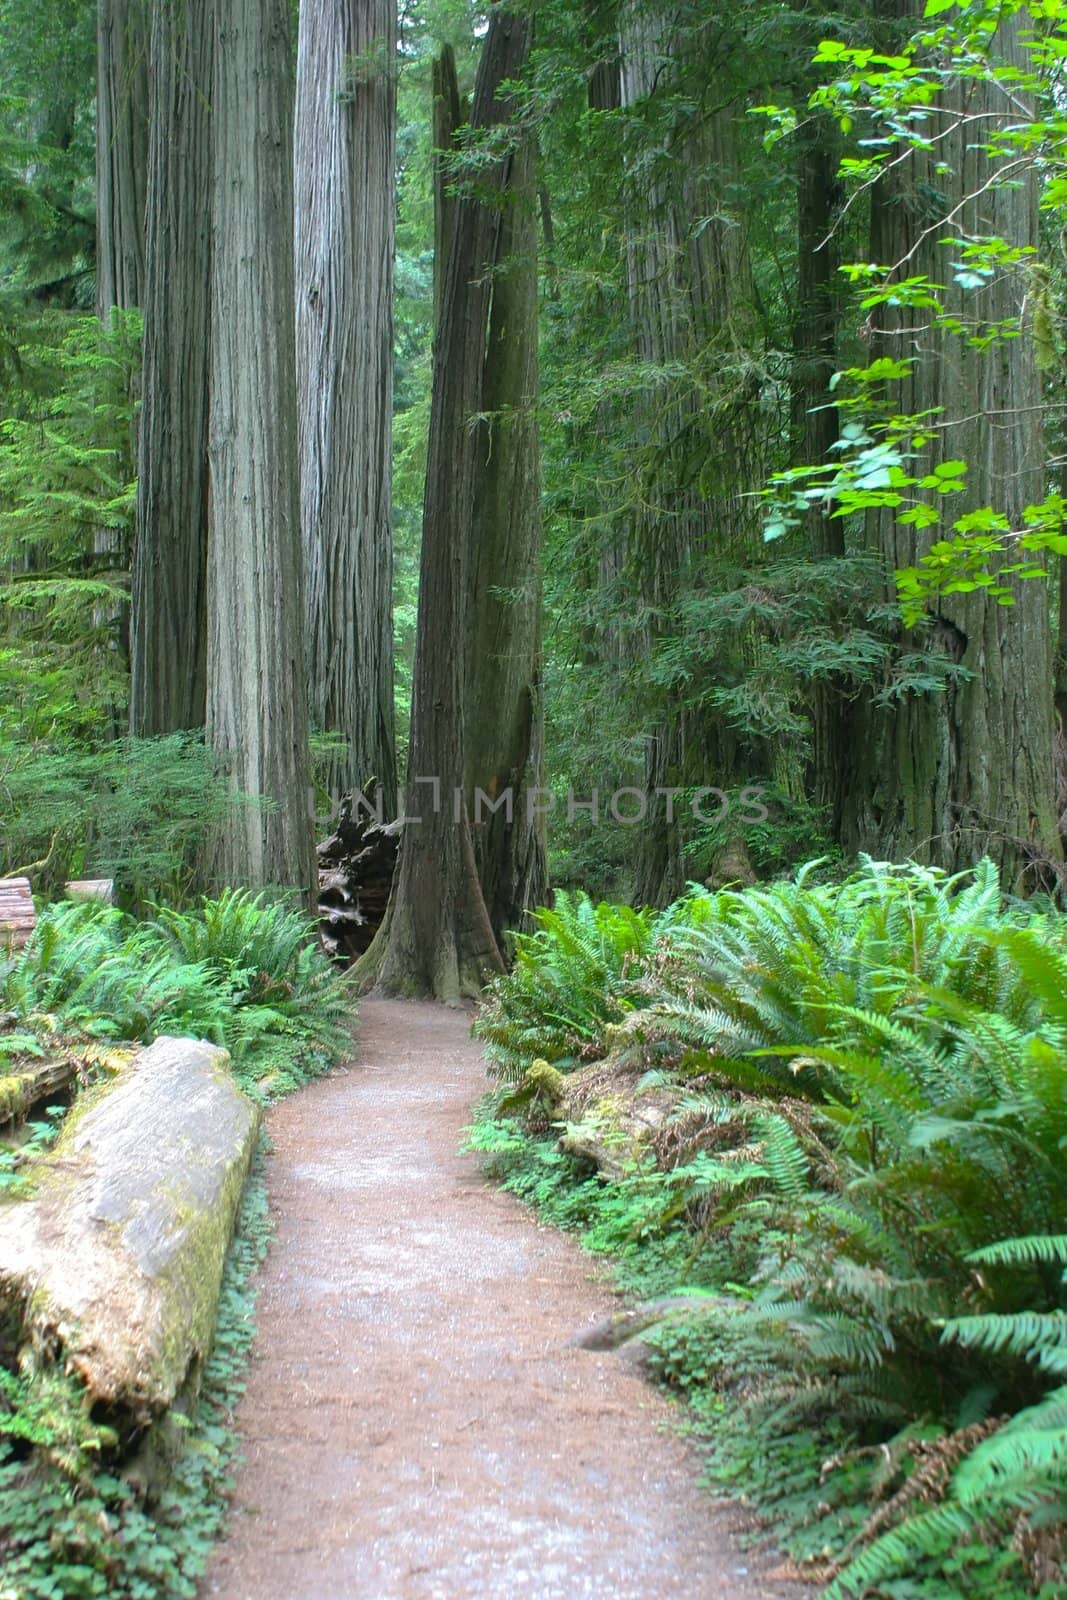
{"type": "Point", "coordinates": [871, 1099]}
{"type": "Point", "coordinates": [242, 972]}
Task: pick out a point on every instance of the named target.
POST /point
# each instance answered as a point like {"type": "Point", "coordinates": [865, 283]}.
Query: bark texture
{"type": "Point", "coordinates": [448, 113]}
{"type": "Point", "coordinates": [357, 864]}
{"type": "Point", "coordinates": [121, 153]}
{"type": "Point", "coordinates": [691, 301]}
{"type": "Point", "coordinates": [18, 914]}
{"type": "Point", "coordinates": [437, 937]}
{"type": "Point", "coordinates": [345, 157]}
{"type": "Point", "coordinates": [257, 711]}
{"type": "Point", "coordinates": [503, 702]}
{"type": "Point", "coordinates": [169, 580]}
{"type": "Point", "coordinates": [21, 1091]}
{"type": "Point", "coordinates": [951, 776]}
{"type": "Point", "coordinates": [121, 183]}
{"type": "Point", "coordinates": [113, 1266]}
{"type": "Point", "coordinates": [815, 419]}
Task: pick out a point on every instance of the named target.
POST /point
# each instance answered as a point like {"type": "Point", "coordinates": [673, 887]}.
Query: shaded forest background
{"type": "Point", "coordinates": [747, 477]}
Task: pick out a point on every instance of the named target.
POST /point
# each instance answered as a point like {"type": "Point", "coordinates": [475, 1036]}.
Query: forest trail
{"type": "Point", "coordinates": [415, 1425]}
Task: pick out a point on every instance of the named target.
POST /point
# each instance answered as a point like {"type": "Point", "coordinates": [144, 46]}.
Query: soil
{"type": "Point", "coordinates": [416, 1425]}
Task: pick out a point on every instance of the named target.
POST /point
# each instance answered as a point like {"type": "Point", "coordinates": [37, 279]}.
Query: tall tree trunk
{"type": "Point", "coordinates": [345, 157]}
{"type": "Point", "coordinates": [257, 710]}
{"type": "Point", "coordinates": [691, 299]}
{"type": "Point", "coordinates": [448, 113]}
{"type": "Point", "coordinates": [437, 937]}
{"type": "Point", "coordinates": [121, 153]}
{"type": "Point", "coordinates": [121, 182]}
{"type": "Point", "coordinates": [950, 776]}
{"type": "Point", "coordinates": [503, 702]}
{"type": "Point", "coordinates": [169, 583]}
{"type": "Point", "coordinates": [815, 419]}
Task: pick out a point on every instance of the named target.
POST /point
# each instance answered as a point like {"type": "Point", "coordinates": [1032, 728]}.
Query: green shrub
{"type": "Point", "coordinates": [583, 968]}
{"type": "Point", "coordinates": [240, 971]}
{"type": "Point", "coordinates": [139, 811]}
{"type": "Point", "coordinates": [872, 1100]}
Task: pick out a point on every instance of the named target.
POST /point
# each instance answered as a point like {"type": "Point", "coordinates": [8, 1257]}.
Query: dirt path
{"type": "Point", "coordinates": [415, 1426]}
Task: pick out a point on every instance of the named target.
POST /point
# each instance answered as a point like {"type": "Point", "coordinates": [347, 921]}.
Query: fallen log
{"type": "Point", "coordinates": [102, 889]}
{"type": "Point", "coordinates": [609, 1119]}
{"type": "Point", "coordinates": [18, 916]}
{"type": "Point", "coordinates": [113, 1265]}
{"type": "Point", "coordinates": [21, 1091]}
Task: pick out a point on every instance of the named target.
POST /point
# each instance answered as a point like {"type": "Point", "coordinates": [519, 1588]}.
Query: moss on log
{"type": "Point", "coordinates": [21, 1091]}
{"type": "Point", "coordinates": [609, 1119]}
{"type": "Point", "coordinates": [113, 1265]}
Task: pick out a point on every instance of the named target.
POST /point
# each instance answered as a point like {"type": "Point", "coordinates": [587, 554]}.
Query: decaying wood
{"type": "Point", "coordinates": [356, 867]}
{"type": "Point", "coordinates": [615, 1128]}
{"type": "Point", "coordinates": [91, 889]}
{"type": "Point", "coordinates": [21, 1091]}
{"type": "Point", "coordinates": [113, 1265]}
{"type": "Point", "coordinates": [606, 1115]}
{"type": "Point", "coordinates": [17, 915]}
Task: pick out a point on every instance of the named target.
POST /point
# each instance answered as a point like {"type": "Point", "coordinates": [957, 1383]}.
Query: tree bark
{"type": "Point", "coordinates": [113, 1266]}
{"type": "Point", "coordinates": [345, 158]}
{"type": "Point", "coordinates": [21, 1091]}
{"type": "Point", "coordinates": [815, 419]}
{"type": "Point", "coordinates": [503, 701]}
{"type": "Point", "coordinates": [121, 182]}
{"type": "Point", "coordinates": [257, 710]}
{"type": "Point", "coordinates": [691, 300]}
{"type": "Point", "coordinates": [437, 938]}
{"type": "Point", "coordinates": [169, 581]}
{"type": "Point", "coordinates": [951, 776]}
{"type": "Point", "coordinates": [121, 153]}
{"type": "Point", "coordinates": [448, 113]}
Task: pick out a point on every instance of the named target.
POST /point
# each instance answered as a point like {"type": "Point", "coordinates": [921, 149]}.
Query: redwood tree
{"type": "Point", "coordinates": [438, 937]}
{"type": "Point", "coordinates": [121, 177]}
{"type": "Point", "coordinates": [951, 775]}
{"type": "Point", "coordinates": [703, 445]}
{"type": "Point", "coordinates": [345, 156]}
{"type": "Point", "coordinates": [257, 712]}
{"type": "Point", "coordinates": [170, 551]}
{"type": "Point", "coordinates": [121, 153]}
{"type": "Point", "coordinates": [504, 714]}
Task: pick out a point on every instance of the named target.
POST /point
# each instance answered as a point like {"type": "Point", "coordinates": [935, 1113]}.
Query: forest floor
{"type": "Point", "coordinates": [416, 1424]}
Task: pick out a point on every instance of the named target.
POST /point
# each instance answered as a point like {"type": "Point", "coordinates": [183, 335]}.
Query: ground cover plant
{"type": "Point", "coordinates": [240, 970]}
{"type": "Point", "coordinates": [855, 1178]}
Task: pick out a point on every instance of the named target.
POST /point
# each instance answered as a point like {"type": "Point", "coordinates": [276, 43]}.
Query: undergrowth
{"type": "Point", "coordinates": [239, 970]}
{"type": "Point", "coordinates": [831, 1123]}
{"type": "Point", "coordinates": [74, 1521]}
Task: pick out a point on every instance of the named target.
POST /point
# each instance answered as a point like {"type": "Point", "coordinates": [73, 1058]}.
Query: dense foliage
{"type": "Point", "coordinates": [238, 970]}
{"type": "Point", "coordinates": [861, 1173]}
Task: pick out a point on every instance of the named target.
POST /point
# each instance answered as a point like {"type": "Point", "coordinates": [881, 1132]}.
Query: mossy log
{"type": "Point", "coordinates": [609, 1120]}
{"type": "Point", "coordinates": [113, 1264]}
{"type": "Point", "coordinates": [21, 1091]}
